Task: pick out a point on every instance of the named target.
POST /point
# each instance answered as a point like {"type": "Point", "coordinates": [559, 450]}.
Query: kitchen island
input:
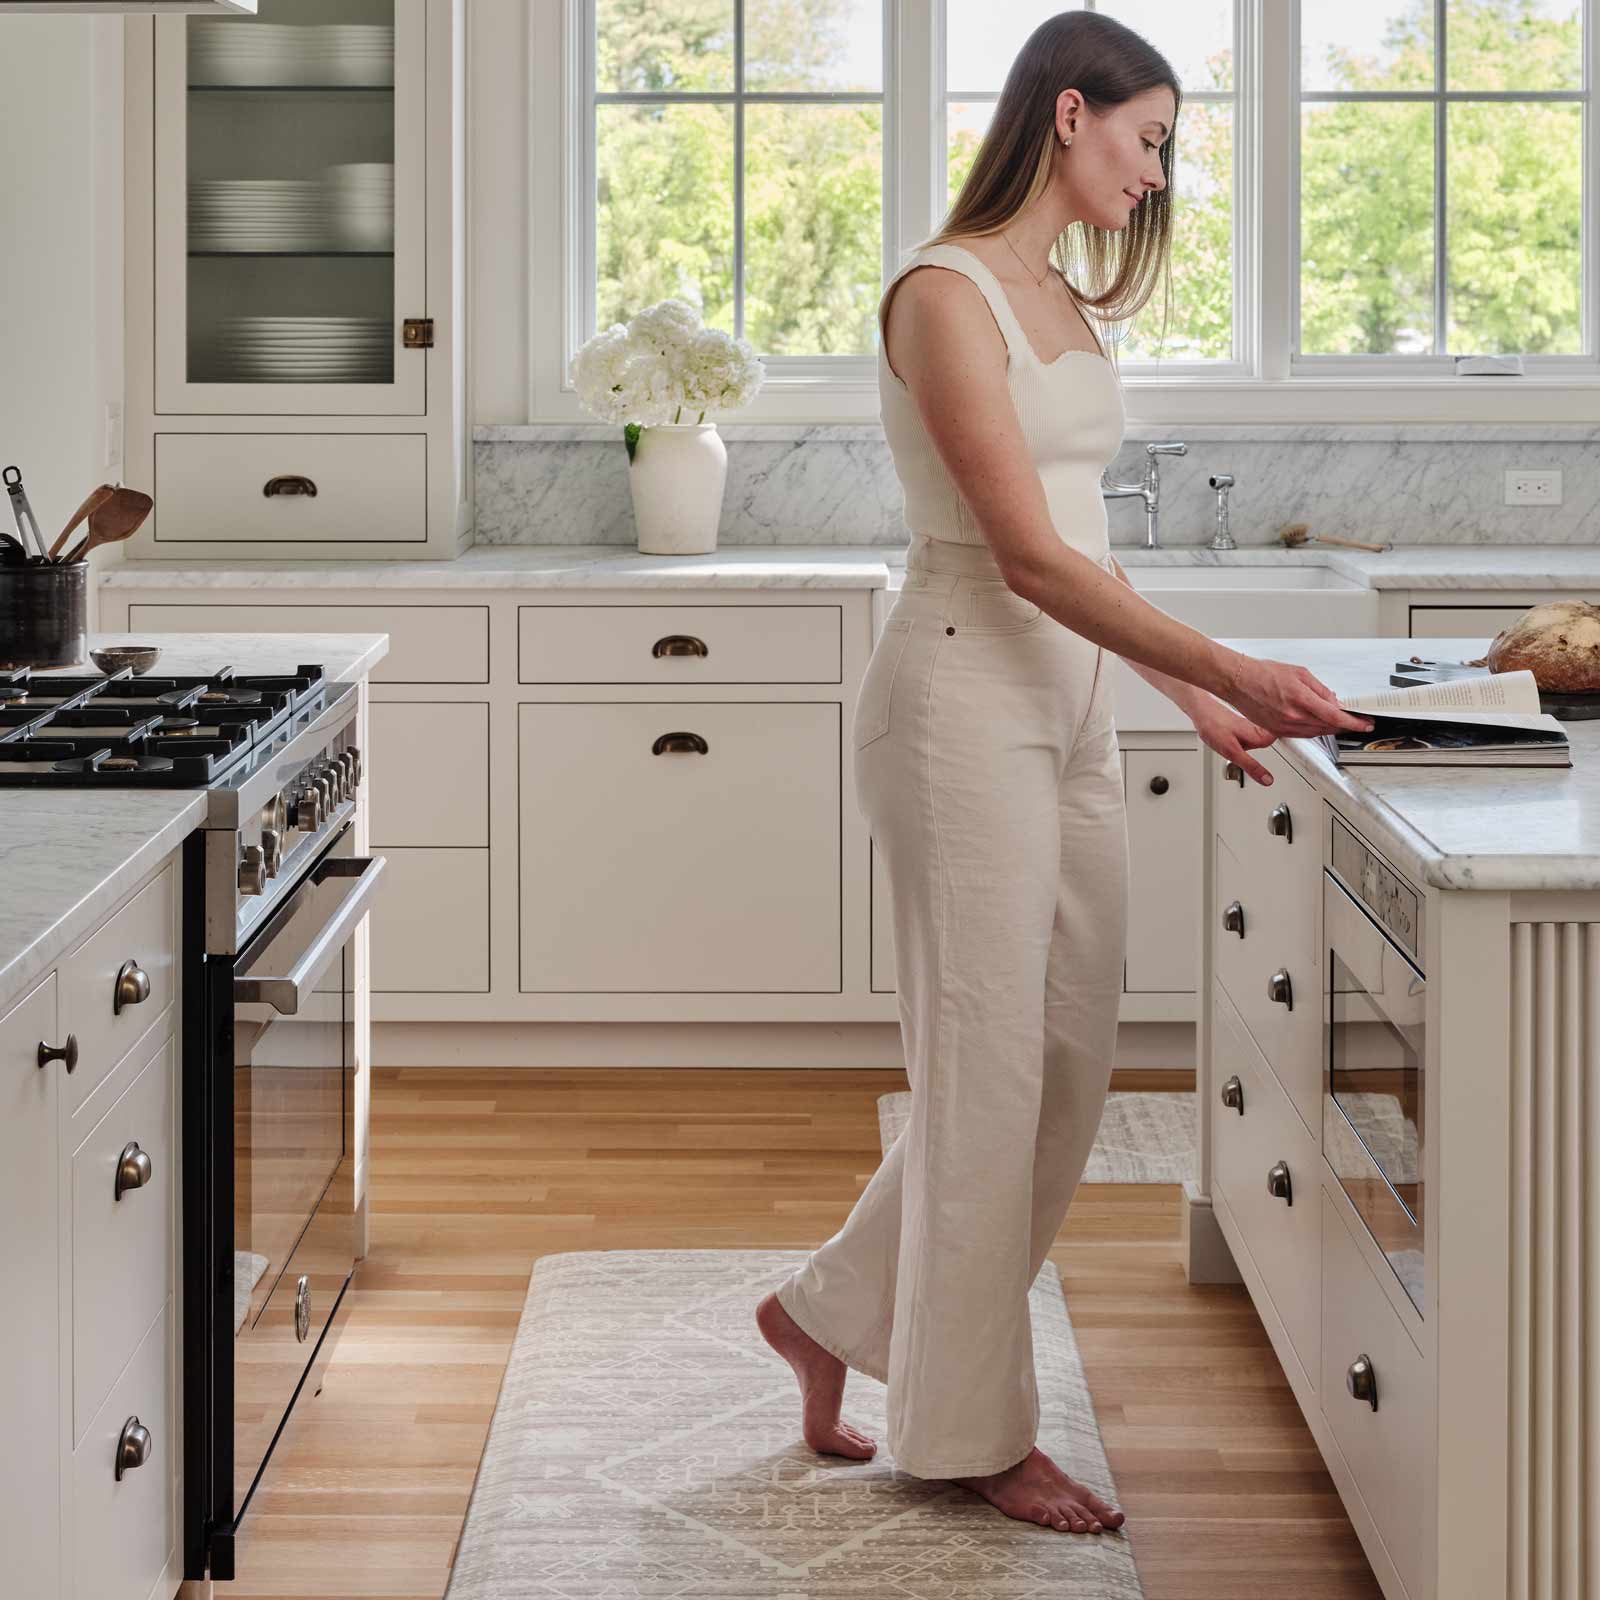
{"type": "Point", "coordinates": [1400, 998]}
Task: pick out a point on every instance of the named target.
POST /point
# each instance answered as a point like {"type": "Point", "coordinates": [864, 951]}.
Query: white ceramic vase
{"type": "Point", "coordinates": [677, 476]}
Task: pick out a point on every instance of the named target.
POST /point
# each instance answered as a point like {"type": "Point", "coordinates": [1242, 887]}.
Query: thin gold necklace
{"type": "Point", "coordinates": [1038, 282]}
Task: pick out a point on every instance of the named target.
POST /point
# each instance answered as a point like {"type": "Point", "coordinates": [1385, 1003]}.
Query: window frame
{"type": "Point", "coordinates": [1269, 382]}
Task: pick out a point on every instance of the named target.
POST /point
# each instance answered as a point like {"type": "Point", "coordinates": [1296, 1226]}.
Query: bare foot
{"type": "Point", "coordinates": [1037, 1490]}
{"type": "Point", "coordinates": [821, 1375]}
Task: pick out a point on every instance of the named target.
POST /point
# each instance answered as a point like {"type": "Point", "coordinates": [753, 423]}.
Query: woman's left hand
{"type": "Point", "coordinates": [1233, 737]}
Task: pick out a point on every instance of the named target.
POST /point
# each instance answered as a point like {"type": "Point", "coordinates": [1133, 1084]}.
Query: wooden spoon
{"type": "Point", "coordinates": [119, 516]}
{"type": "Point", "coordinates": [92, 502]}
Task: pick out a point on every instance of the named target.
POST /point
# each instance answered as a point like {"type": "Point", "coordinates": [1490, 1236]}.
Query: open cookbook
{"type": "Point", "coordinates": [1488, 721]}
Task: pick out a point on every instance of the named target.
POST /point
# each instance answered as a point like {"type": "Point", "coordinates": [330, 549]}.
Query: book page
{"type": "Point", "coordinates": [1514, 692]}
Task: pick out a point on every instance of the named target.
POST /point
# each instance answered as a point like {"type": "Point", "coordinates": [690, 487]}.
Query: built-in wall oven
{"type": "Point", "coordinates": [1374, 1036]}
{"type": "Point", "coordinates": [275, 894]}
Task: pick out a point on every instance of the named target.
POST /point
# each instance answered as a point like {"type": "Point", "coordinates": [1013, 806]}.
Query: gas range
{"type": "Point", "coordinates": [277, 755]}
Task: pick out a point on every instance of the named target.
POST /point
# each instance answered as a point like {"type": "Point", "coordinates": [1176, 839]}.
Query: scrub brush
{"type": "Point", "coordinates": [1295, 533]}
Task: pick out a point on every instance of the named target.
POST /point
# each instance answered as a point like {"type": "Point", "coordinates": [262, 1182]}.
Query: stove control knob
{"type": "Point", "coordinates": [355, 763]}
{"type": "Point", "coordinates": [271, 850]}
{"type": "Point", "coordinates": [303, 812]}
{"type": "Point", "coordinates": [275, 814]}
{"type": "Point", "coordinates": [252, 870]}
{"type": "Point", "coordinates": [340, 774]}
{"type": "Point", "coordinates": [347, 765]}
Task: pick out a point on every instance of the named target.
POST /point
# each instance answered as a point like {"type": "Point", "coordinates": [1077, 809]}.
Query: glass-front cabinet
{"type": "Point", "coordinates": [289, 210]}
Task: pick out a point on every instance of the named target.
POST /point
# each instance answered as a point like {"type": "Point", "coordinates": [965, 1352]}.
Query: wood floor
{"type": "Point", "coordinates": [476, 1174]}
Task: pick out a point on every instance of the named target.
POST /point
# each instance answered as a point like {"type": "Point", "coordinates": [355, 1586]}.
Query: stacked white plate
{"type": "Point", "coordinates": [350, 208]}
{"type": "Point", "coordinates": [245, 54]}
{"type": "Point", "coordinates": [298, 350]}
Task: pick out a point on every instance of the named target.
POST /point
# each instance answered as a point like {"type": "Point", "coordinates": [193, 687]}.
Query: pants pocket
{"type": "Point", "coordinates": [997, 608]}
{"type": "Point", "coordinates": [877, 683]}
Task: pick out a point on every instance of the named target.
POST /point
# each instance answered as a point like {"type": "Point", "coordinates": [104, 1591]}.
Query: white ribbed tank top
{"type": "Point", "coordinates": [1071, 414]}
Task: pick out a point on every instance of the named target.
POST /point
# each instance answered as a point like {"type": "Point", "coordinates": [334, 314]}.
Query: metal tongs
{"type": "Point", "coordinates": [26, 522]}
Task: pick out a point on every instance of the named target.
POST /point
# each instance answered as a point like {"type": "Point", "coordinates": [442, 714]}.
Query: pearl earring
{"type": "Point", "coordinates": [1065, 143]}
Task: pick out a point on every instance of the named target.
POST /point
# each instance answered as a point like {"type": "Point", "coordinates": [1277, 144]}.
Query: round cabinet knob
{"type": "Point", "coordinates": [1362, 1381]}
{"type": "Point", "coordinates": [1233, 918]}
{"type": "Point", "coordinates": [1280, 989]}
{"type": "Point", "coordinates": [272, 850]}
{"type": "Point", "coordinates": [1280, 824]}
{"type": "Point", "coordinates": [1159, 785]}
{"type": "Point", "coordinates": [1234, 773]}
{"type": "Point", "coordinates": [133, 1448]}
{"type": "Point", "coordinates": [252, 870]}
{"type": "Point", "coordinates": [1233, 1095]}
{"type": "Point", "coordinates": [132, 987]}
{"type": "Point", "coordinates": [66, 1053]}
{"type": "Point", "coordinates": [133, 1168]}
{"type": "Point", "coordinates": [1279, 1185]}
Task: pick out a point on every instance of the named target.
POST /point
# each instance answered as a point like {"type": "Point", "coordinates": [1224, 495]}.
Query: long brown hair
{"type": "Point", "coordinates": [1107, 63]}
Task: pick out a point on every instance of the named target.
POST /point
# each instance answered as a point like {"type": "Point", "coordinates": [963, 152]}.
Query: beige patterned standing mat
{"type": "Point", "coordinates": [646, 1446]}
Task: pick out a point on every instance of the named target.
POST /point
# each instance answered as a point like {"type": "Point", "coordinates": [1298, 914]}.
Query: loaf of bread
{"type": "Point", "coordinates": [1558, 643]}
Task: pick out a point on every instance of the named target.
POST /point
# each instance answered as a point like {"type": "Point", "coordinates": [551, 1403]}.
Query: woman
{"type": "Point", "coordinates": [987, 767]}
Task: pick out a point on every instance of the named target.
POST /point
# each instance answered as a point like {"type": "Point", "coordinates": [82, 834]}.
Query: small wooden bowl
{"type": "Point", "coordinates": [114, 657]}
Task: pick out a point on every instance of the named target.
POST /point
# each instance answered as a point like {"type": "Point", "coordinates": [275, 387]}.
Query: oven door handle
{"type": "Point", "coordinates": [284, 994]}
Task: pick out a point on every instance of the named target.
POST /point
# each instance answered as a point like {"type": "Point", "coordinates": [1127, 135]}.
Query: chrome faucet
{"type": "Point", "coordinates": [1149, 488]}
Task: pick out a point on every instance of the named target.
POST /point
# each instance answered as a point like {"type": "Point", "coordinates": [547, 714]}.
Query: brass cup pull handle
{"type": "Point", "coordinates": [67, 1053]}
{"type": "Point", "coordinates": [289, 483]}
{"type": "Point", "coordinates": [1233, 918]}
{"type": "Point", "coordinates": [1362, 1380]}
{"type": "Point", "coordinates": [1280, 989]}
{"type": "Point", "coordinates": [133, 1168]}
{"type": "Point", "coordinates": [1234, 773]}
{"type": "Point", "coordinates": [680, 644]}
{"type": "Point", "coordinates": [1280, 824]}
{"type": "Point", "coordinates": [132, 989]}
{"type": "Point", "coordinates": [680, 743]}
{"type": "Point", "coordinates": [133, 1448]}
{"type": "Point", "coordinates": [302, 1309]}
{"type": "Point", "coordinates": [1233, 1095]}
{"type": "Point", "coordinates": [1279, 1185]}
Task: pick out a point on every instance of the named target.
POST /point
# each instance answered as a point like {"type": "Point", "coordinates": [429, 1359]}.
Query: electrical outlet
{"type": "Point", "coordinates": [1533, 486]}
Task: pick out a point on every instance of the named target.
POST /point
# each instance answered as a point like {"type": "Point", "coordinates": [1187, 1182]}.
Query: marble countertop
{"type": "Point", "coordinates": [68, 855]}
{"type": "Point", "coordinates": [811, 566]}
{"type": "Point", "coordinates": [1499, 829]}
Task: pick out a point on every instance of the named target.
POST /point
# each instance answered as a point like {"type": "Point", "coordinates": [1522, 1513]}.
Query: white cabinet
{"type": "Point", "coordinates": [1163, 804]}
{"type": "Point", "coordinates": [89, 1372]}
{"type": "Point", "coordinates": [30, 1330]}
{"type": "Point", "coordinates": [294, 189]}
{"type": "Point", "coordinates": [680, 847]}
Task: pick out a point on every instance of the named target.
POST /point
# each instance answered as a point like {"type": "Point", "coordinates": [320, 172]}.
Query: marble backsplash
{"type": "Point", "coordinates": [555, 484]}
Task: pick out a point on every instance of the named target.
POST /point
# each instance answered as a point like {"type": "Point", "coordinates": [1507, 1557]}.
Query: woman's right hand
{"type": "Point", "coordinates": [1288, 700]}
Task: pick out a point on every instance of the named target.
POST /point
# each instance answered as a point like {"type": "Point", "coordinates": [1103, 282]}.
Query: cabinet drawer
{"type": "Point", "coordinates": [430, 929]}
{"type": "Point", "coordinates": [370, 488]}
{"type": "Point", "coordinates": [1275, 914]}
{"type": "Point", "coordinates": [427, 644]}
{"type": "Point", "coordinates": [1463, 622]}
{"type": "Point", "coordinates": [1385, 1449]}
{"type": "Point", "coordinates": [711, 867]}
{"type": "Point", "coordinates": [122, 1269]}
{"type": "Point", "coordinates": [1278, 830]}
{"type": "Point", "coordinates": [714, 644]}
{"type": "Point", "coordinates": [1282, 1233]}
{"type": "Point", "coordinates": [123, 1531]}
{"type": "Point", "coordinates": [143, 932]}
{"type": "Point", "coordinates": [419, 801]}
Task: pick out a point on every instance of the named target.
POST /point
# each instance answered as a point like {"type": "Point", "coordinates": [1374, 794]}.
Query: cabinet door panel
{"type": "Point", "coordinates": [680, 870]}
{"type": "Point", "coordinates": [1462, 622]}
{"type": "Point", "coordinates": [30, 1344]}
{"type": "Point", "coordinates": [430, 924]}
{"type": "Point", "coordinates": [1164, 870]}
{"type": "Point", "coordinates": [420, 802]}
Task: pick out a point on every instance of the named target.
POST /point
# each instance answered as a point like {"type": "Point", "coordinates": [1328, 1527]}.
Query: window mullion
{"type": "Point", "coordinates": [1274, 185]}
{"type": "Point", "coordinates": [738, 169]}
{"type": "Point", "coordinates": [1441, 342]}
{"type": "Point", "coordinates": [918, 90]}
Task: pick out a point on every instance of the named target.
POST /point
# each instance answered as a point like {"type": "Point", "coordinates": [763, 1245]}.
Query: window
{"type": "Point", "coordinates": [1441, 153]}
{"type": "Point", "coordinates": [1365, 190]}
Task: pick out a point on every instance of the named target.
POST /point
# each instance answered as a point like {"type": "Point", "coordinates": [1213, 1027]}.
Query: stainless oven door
{"type": "Point", "coordinates": [1373, 1123]}
{"type": "Point", "coordinates": [294, 1154]}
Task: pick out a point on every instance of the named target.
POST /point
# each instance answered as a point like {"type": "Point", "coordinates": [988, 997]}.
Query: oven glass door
{"type": "Point", "coordinates": [293, 1094]}
{"type": "Point", "coordinates": [1373, 1119]}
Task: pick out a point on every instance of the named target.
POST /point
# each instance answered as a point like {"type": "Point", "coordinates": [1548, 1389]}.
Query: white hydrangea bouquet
{"type": "Point", "coordinates": [646, 375]}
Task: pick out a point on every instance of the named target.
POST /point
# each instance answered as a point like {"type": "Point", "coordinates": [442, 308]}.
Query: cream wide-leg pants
{"type": "Point", "coordinates": [987, 767]}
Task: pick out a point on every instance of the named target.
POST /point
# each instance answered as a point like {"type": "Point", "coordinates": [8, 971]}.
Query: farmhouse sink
{"type": "Point", "coordinates": [1225, 602]}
